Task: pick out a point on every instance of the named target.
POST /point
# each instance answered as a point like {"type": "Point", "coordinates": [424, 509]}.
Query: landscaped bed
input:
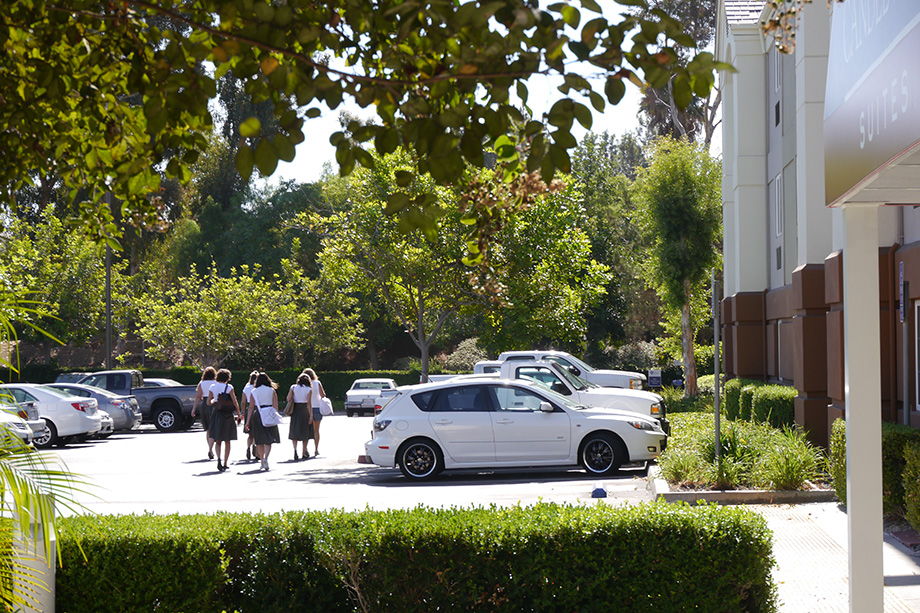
{"type": "Point", "coordinates": [753, 456]}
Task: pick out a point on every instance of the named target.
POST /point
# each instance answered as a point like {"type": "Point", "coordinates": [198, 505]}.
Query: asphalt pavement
{"type": "Point", "coordinates": [149, 471]}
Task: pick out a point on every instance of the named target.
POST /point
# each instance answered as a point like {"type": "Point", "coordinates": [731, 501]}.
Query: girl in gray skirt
{"type": "Point", "coordinates": [223, 419]}
{"type": "Point", "coordinates": [264, 400]}
{"type": "Point", "coordinates": [301, 416]}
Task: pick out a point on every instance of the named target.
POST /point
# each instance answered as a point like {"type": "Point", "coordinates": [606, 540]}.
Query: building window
{"type": "Point", "coordinates": [777, 69]}
{"type": "Point", "coordinates": [778, 204]}
{"type": "Point", "coordinates": [916, 352]}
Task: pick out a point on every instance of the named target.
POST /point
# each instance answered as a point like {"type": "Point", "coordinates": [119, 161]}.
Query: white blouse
{"type": "Point", "coordinates": [301, 393]}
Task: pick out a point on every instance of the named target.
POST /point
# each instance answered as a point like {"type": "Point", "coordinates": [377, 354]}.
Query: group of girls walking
{"type": "Point", "coordinates": [221, 413]}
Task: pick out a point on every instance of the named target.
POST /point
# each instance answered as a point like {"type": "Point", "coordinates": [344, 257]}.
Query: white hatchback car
{"type": "Point", "coordinates": [505, 423]}
{"type": "Point", "coordinates": [67, 417]}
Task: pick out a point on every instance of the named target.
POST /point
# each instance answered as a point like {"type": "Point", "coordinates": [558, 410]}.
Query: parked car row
{"type": "Point", "coordinates": [59, 413]}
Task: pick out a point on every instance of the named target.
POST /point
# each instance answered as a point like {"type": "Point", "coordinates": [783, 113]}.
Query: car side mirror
{"type": "Point", "coordinates": [546, 407]}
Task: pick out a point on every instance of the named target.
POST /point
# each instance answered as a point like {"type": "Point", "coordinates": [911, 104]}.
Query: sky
{"type": "Point", "coordinates": [315, 151]}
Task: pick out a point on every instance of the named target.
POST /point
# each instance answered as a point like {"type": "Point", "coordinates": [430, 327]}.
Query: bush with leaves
{"type": "Point", "coordinates": [774, 404]}
{"type": "Point", "coordinates": [894, 439]}
{"type": "Point", "coordinates": [465, 356]}
{"type": "Point", "coordinates": [911, 481]}
{"type": "Point", "coordinates": [478, 559]}
{"type": "Point", "coordinates": [752, 455]}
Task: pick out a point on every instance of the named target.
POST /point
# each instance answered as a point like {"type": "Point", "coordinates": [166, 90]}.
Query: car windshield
{"type": "Point", "coordinates": [555, 397]}
{"type": "Point", "coordinates": [102, 392]}
{"type": "Point", "coordinates": [372, 385]}
{"type": "Point", "coordinates": [54, 391]}
{"type": "Point", "coordinates": [575, 381]}
{"type": "Point", "coordinates": [570, 361]}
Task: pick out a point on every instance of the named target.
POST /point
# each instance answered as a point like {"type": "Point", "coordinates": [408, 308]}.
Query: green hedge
{"type": "Point", "coordinates": [745, 402]}
{"type": "Point", "coordinates": [774, 405]}
{"type": "Point", "coordinates": [543, 558]}
{"type": "Point", "coordinates": [894, 439]}
{"type": "Point", "coordinates": [911, 482]}
{"type": "Point", "coordinates": [731, 396]}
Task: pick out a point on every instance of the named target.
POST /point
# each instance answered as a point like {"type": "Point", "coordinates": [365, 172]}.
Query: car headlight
{"type": "Point", "coordinates": [656, 409]}
{"type": "Point", "coordinates": [642, 425]}
{"type": "Point", "coordinates": [381, 424]}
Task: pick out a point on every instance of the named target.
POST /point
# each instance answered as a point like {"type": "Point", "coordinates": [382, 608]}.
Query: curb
{"type": "Point", "coordinates": [660, 490]}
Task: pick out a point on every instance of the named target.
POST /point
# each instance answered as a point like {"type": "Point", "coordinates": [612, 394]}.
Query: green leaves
{"type": "Point", "coordinates": [140, 91]}
{"type": "Point", "coordinates": [250, 127]}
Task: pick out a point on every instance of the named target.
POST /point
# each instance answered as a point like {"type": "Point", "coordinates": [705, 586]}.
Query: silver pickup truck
{"type": "Point", "coordinates": [168, 408]}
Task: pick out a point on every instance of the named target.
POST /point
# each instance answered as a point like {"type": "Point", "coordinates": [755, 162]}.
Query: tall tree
{"type": "Point", "coordinates": [603, 169]}
{"type": "Point", "coordinates": [679, 194]}
{"type": "Point", "coordinates": [419, 274]}
{"type": "Point", "coordinates": [550, 276]}
{"type": "Point", "coordinates": [672, 109]}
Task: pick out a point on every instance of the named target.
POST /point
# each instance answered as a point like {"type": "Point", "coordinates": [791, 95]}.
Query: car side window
{"type": "Point", "coordinates": [20, 395]}
{"type": "Point", "coordinates": [515, 399]}
{"type": "Point", "coordinates": [116, 382]}
{"type": "Point", "coordinates": [423, 400]}
{"type": "Point", "coordinates": [544, 376]}
{"type": "Point", "coordinates": [95, 380]}
{"type": "Point", "coordinates": [468, 399]}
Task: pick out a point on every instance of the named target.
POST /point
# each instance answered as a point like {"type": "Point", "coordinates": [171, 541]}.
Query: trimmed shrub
{"type": "Point", "coordinates": [894, 439]}
{"type": "Point", "coordinates": [480, 559]}
{"type": "Point", "coordinates": [675, 402]}
{"type": "Point", "coordinates": [911, 481]}
{"type": "Point", "coordinates": [838, 459]}
{"type": "Point", "coordinates": [731, 396]}
{"type": "Point", "coordinates": [774, 405]}
{"type": "Point", "coordinates": [745, 400]}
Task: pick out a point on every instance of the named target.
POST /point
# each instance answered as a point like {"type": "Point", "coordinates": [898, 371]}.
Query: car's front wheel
{"type": "Point", "coordinates": [420, 459]}
{"type": "Point", "coordinates": [602, 454]}
{"type": "Point", "coordinates": [48, 438]}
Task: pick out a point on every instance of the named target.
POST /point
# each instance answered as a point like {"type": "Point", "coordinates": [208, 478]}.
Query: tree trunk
{"type": "Point", "coordinates": [689, 360]}
{"type": "Point", "coordinates": [372, 353]}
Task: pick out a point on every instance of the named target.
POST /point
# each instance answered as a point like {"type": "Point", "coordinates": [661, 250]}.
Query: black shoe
{"type": "Point", "coordinates": [296, 457]}
{"type": "Point", "coordinates": [210, 455]}
{"type": "Point", "coordinates": [248, 453]}
{"type": "Point", "coordinates": [220, 467]}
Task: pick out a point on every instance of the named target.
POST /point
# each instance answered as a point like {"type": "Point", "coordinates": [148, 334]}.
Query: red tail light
{"type": "Point", "coordinates": [23, 415]}
{"type": "Point", "coordinates": [78, 406]}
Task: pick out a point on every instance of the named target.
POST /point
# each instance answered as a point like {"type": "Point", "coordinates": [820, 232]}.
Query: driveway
{"type": "Point", "coordinates": [150, 471]}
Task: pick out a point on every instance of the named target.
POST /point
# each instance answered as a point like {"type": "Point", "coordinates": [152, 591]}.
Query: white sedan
{"type": "Point", "coordinates": [67, 417]}
{"type": "Point", "coordinates": [505, 423]}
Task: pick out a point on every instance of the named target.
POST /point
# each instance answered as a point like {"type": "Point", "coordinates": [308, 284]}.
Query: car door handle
{"type": "Point", "coordinates": [506, 420]}
{"type": "Point", "coordinates": [444, 422]}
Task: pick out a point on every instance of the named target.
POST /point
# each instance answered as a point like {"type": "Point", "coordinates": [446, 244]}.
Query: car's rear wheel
{"type": "Point", "coordinates": [48, 438]}
{"type": "Point", "coordinates": [349, 412]}
{"type": "Point", "coordinates": [168, 419]}
{"type": "Point", "coordinates": [420, 459]}
{"type": "Point", "coordinates": [602, 454]}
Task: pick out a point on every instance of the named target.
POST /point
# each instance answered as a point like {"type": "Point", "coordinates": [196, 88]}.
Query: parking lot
{"type": "Point", "coordinates": [149, 471]}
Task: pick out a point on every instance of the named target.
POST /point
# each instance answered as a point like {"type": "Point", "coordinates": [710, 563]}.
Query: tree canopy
{"type": "Point", "coordinates": [680, 201]}
{"type": "Point", "coordinates": [105, 94]}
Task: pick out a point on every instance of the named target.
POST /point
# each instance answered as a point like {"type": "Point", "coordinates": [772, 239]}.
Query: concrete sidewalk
{"type": "Point", "coordinates": [810, 546]}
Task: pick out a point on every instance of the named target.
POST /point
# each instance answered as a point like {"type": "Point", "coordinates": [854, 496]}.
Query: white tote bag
{"type": "Point", "coordinates": [270, 417]}
{"type": "Point", "coordinates": [325, 406]}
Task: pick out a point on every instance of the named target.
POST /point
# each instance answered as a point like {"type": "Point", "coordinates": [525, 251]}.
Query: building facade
{"type": "Point", "coordinates": [798, 136]}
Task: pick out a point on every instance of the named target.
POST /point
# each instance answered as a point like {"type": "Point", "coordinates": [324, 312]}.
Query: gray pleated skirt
{"type": "Point", "coordinates": [301, 428]}
{"type": "Point", "coordinates": [262, 435]}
